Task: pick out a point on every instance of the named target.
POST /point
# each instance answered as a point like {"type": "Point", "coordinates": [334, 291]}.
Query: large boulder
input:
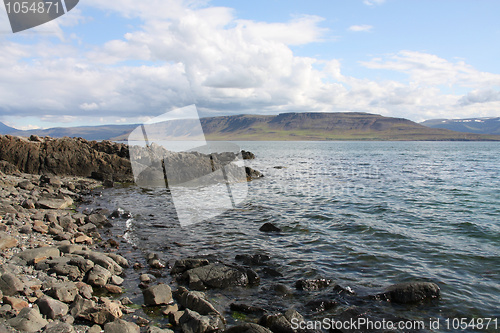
{"type": "Point", "coordinates": [157, 295]}
{"type": "Point", "coordinates": [215, 276]}
{"type": "Point", "coordinates": [411, 292]}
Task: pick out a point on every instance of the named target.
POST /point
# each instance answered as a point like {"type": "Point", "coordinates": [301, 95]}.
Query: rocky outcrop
{"type": "Point", "coordinates": [411, 292]}
{"type": "Point", "coordinates": [218, 276]}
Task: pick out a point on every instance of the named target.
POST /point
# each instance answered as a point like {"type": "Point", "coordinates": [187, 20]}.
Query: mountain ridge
{"type": "Point", "coordinates": [485, 125]}
{"type": "Point", "coordinates": [293, 126]}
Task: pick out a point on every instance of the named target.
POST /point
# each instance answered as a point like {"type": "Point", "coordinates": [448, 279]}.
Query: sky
{"type": "Point", "coordinates": [121, 62]}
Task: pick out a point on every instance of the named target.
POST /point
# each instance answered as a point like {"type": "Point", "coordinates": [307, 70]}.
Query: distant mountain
{"type": "Point", "coordinates": [104, 132]}
{"type": "Point", "coordinates": [319, 126]}
{"type": "Point", "coordinates": [470, 125]}
{"type": "Point", "coordinates": [4, 129]}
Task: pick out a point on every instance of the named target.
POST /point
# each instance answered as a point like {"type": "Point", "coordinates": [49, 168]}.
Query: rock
{"type": "Point", "coordinates": [180, 266]}
{"type": "Point", "coordinates": [102, 260]}
{"type": "Point", "coordinates": [83, 264]}
{"type": "Point", "coordinates": [243, 308]}
{"type": "Point", "coordinates": [16, 303]}
{"type": "Point", "coordinates": [215, 276]}
{"type": "Point", "coordinates": [100, 314]}
{"type": "Point", "coordinates": [146, 278]}
{"type": "Point", "coordinates": [119, 259]}
{"type": "Point", "coordinates": [39, 253]}
{"type": "Point", "coordinates": [28, 204]}
{"type": "Point", "coordinates": [112, 289]}
{"type": "Point", "coordinates": [121, 326]}
{"type": "Point", "coordinates": [99, 276]}
{"type": "Point", "coordinates": [116, 280]}
{"type": "Point", "coordinates": [171, 308]}
{"type": "Point", "coordinates": [320, 305]}
{"type": "Point", "coordinates": [10, 284]}
{"type": "Point", "coordinates": [55, 203]}
{"type": "Point", "coordinates": [141, 321]}
{"type": "Point", "coordinates": [276, 323]}
{"type": "Point", "coordinates": [254, 260]}
{"type": "Point", "coordinates": [411, 292]}
{"type": "Point", "coordinates": [153, 329]}
{"type": "Point", "coordinates": [248, 328]}
{"type": "Point", "coordinates": [193, 322]}
{"type": "Point", "coordinates": [247, 155]}
{"type": "Point", "coordinates": [64, 291]}
{"type": "Point", "coordinates": [195, 300]}
{"type": "Point", "coordinates": [59, 327]}
{"type": "Point", "coordinates": [28, 320]}
{"type": "Point", "coordinates": [95, 329]}
{"type": "Point", "coordinates": [157, 295]}
{"type": "Point", "coordinates": [84, 239]}
{"type": "Point", "coordinates": [71, 248]}
{"type": "Point", "coordinates": [175, 317]}
{"type": "Point", "coordinates": [40, 227]}
{"type": "Point", "coordinates": [269, 227]}
{"type": "Point", "coordinates": [26, 185]}
{"type": "Point", "coordinates": [253, 174]}
{"type": "Point", "coordinates": [309, 285]}
{"type": "Point", "coordinates": [81, 306]}
{"type": "Point", "coordinates": [85, 290]}
{"type": "Point", "coordinates": [6, 241]}
{"type": "Point", "coordinates": [51, 308]}
{"type": "Point", "coordinates": [8, 168]}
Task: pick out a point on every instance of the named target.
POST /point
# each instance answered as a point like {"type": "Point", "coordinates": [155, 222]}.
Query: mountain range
{"type": "Point", "coordinates": [489, 125]}
{"type": "Point", "coordinates": [286, 127]}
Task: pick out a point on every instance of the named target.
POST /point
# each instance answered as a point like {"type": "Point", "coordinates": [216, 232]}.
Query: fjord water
{"type": "Point", "coordinates": [364, 214]}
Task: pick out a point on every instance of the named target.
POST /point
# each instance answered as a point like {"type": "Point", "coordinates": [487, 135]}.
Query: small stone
{"type": "Point", "coordinates": [84, 239]}
{"type": "Point", "coordinates": [113, 289]}
{"type": "Point", "coordinates": [16, 303]}
{"type": "Point", "coordinates": [121, 326]}
{"type": "Point", "coordinates": [116, 280]}
{"type": "Point", "coordinates": [6, 241]}
{"type": "Point", "coordinates": [141, 321]}
{"type": "Point", "coordinates": [170, 309]}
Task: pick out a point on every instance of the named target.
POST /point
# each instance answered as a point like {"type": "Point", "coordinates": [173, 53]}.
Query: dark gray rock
{"type": "Point", "coordinates": [194, 300]}
{"type": "Point", "coordinates": [28, 320]}
{"type": "Point", "coordinates": [248, 328]}
{"type": "Point", "coordinates": [247, 155]}
{"type": "Point", "coordinates": [269, 227]}
{"type": "Point", "coordinates": [244, 308]}
{"type": "Point", "coordinates": [121, 326]}
{"type": "Point", "coordinates": [193, 322]}
{"type": "Point", "coordinates": [157, 295]}
{"type": "Point", "coordinates": [51, 308]}
{"type": "Point", "coordinates": [276, 323]}
{"type": "Point", "coordinates": [180, 266]}
{"type": "Point", "coordinates": [315, 284]}
{"type": "Point", "coordinates": [253, 260]}
{"type": "Point", "coordinates": [411, 292]}
{"type": "Point", "coordinates": [215, 276]}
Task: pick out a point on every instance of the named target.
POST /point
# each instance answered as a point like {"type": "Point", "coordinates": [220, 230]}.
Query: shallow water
{"type": "Point", "coordinates": [364, 214]}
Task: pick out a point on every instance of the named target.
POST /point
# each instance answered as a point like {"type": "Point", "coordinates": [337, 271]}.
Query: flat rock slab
{"type": "Point", "coordinates": [38, 254]}
{"type": "Point", "coordinates": [6, 241]}
{"type": "Point", "coordinates": [55, 203]}
{"type": "Point", "coordinates": [215, 276]}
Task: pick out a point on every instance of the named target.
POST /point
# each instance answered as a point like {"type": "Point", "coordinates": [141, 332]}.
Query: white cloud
{"type": "Point", "coordinates": [373, 2]}
{"type": "Point", "coordinates": [357, 28]}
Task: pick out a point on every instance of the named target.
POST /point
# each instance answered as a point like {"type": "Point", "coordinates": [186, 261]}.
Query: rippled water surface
{"type": "Point", "coordinates": [365, 214]}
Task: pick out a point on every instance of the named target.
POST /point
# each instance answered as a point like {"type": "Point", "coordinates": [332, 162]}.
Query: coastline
{"type": "Point", "coordinates": [61, 287]}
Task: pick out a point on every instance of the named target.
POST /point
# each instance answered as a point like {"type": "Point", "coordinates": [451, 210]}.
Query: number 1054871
{"type": "Point", "coordinates": [24, 7]}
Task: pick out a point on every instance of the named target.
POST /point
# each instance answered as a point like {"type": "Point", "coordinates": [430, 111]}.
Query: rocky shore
{"type": "Point", "coordinates": [62, 270]}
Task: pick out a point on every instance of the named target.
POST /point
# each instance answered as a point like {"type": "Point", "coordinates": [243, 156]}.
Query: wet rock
{"type": "Point", "coordinates": [121, 326]}
{"type": "Point", "coordinates": [6, 241]}
{"type": "Point", "coordinates": [193, 322]}
{"type": "Point", "coordinates": [63, 291]}
{"type": "Point", "coordinates": [215, 276]}
{"type": "Point", "coordinates": [38, 254]}
{"type": "Point", "coordinates": [253, 174]}
{"type": "Point", "coordinates": [411, 292]}
{"type": "Point", "coordinates": [157, 295]}
{"type": "Point", "coordinates": [253, 260]}
{"type": "Point", "coordinates": [309, 285]}
{"type": "Point", "coordinates": [320, 305]}
{"type": "Point", "coordinates": [269, 227]}
{"type": "Point", "coordinates": [248, 328]}
{"type": "Point", "coordinates": [52, 308]}
{"type": "Point", "coordinates": [244, 308]}
{"type": "Point", "coordinates": [99, 276]}
{"type": "Point", "coordinates": [276, 323]}
{"type": "Point", "coordinates": [119, 259]}
{"type": "Point", "coordinates": [28, 320]}
{"type": "Point", "coordinates": [195, 300]}
{"type": "Point", "coordinates": [59, 327]}
{"type": "Point", "coordinates": [180, 266]}
{"type": "Point", "coordinates": [247, 155]}
{"type": "Point", "coordinates": [10, 284]}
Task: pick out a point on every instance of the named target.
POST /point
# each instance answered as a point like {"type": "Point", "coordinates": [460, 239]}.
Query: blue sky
{"type": "Point", "coordinates": [127, 61]}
